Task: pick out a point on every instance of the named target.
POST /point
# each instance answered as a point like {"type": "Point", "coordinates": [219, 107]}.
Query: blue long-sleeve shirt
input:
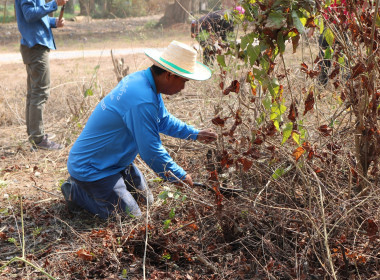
{"type": "Point", "coordinates": [125, 123]}
{"type": "Point", "coordinates": [34, 23]}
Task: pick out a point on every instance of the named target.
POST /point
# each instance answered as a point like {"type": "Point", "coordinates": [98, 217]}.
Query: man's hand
{"type": "Point", "coordinates": [207, 136]}
{"type": "Point", "coordinates": [61, 2]}
{"type": "Point", "coordinates": [59, 22]}
{"type": "Point", "coordinates": [188, 180]}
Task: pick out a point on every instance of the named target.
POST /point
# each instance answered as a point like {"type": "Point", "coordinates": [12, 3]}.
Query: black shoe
{"type": "Point", "coordinates": [66, 191]}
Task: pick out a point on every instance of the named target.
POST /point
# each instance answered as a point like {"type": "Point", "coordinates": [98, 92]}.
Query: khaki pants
{"type": "Point", "coordinates": [37, 64]}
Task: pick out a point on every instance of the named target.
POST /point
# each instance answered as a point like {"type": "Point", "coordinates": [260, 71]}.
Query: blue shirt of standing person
{"type": "Point", "coordinates": [128, 122]}
{"type": "Point", "coordinates": [37, 39]}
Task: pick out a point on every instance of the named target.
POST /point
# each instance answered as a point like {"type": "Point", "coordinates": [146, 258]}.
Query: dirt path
{"type": "Point", "coordinates": [7, 58]}
{"type": "Point", "coordinates": [102, 34]}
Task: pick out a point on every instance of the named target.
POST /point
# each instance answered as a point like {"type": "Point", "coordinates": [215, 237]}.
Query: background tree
{"type": "Point", "coordinates": [69, 7]}
{"type": "Point", "coordinates": [87, 7]}
{"type": "Point", "coordinates": [177, 12]}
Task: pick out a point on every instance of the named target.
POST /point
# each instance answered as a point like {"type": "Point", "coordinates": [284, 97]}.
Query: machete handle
{"type": "Point", "coordinates": [61, 13]}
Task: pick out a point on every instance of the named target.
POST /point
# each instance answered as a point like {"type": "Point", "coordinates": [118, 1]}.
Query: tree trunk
{"type": "Point", "coordinates": [178, 12]}
{"type": "Point", "coordinates": [195, 5]}
{"type": "Point", "coordinates": [69, 7]}
{"type": "Point", "coordinates": [87, 7]}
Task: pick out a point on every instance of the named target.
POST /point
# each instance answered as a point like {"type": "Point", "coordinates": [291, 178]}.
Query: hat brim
{"type": "Point", "coordinates": [201, 73]}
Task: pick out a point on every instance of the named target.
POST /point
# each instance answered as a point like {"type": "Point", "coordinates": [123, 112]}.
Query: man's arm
{"type": "Point", "coordinates": [33, 13]}
{"type": "Point", "coordinates": [142, 122]}
{"type": "Point", "coordinates": [171, 126]}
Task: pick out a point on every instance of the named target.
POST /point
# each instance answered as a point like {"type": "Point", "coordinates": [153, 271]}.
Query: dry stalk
{"type": "Point", "coordinates": [325, 234]}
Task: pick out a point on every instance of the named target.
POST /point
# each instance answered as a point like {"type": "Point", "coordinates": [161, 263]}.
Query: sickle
{"type": "Point", "coordinates": [222, 189]}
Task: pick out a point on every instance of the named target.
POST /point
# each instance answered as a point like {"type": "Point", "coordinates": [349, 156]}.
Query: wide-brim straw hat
{"type": "Point", "coordinates": [180, 59]}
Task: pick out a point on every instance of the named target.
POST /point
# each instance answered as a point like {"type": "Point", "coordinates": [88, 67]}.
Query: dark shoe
{"type": "Point", "coordinates": [66, 191]}
{"type": "Point", "coordinates": [46, 144]}
{"type": "Point", "coordinates": [323, 79]}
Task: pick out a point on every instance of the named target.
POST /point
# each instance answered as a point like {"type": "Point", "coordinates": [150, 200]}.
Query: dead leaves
{"type": "Point", "coordinates": [297, 153]}
{"type": "Point", "coordinates": [309, 102]}
{"type": "Point", "coordinates": [234, 87]}
{"type": "Point", "coordinates": [372, 230]}
{"type": "Point", "coordinates": [325, 130]}
{"type": "Point", "coordinates": [309, 73]}
{"type": "Point", "coordinates": [85, 255]}
{"type": "Point", "coordinates": [293, 112]}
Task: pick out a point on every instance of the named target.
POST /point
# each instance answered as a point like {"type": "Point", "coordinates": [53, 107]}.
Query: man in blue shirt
{"type": "Point", "coordinates": [127, 122]}
{"type": "Point", "coordinates": [37, 40]}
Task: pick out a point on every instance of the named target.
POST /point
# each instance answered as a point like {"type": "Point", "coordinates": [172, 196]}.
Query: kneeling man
{"type": "Point", "coordinates": [126, 122]}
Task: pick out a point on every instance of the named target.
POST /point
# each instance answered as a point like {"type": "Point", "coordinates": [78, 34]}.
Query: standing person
{"type": "Point", "coordinates": [37, 40]}
{"type": "Point", "coordinates": [336, 14]}
{"type": "Point", "coordinates": [210, 30]}
{"type": "Point", "coordinates": [126, 122]}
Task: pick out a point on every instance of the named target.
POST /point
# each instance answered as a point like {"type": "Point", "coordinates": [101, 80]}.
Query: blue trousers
{"type": "Point", "coordinates": [116, 193]}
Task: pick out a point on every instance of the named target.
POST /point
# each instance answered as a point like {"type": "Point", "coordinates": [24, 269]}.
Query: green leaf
{"type": "Point", "coordinates": [296, 138]}
{"type": "Point", "coordinates": [378, 21]}
{"type": "Point", "coordinates": [158, 180]}
{"type": "Point", "coordinates": [292, 34]}
{"type": "Point", "coordinates": [267, 102]}
{"type": "Point", "coordinates": [260, 119]}
{"type": "Point", "coordinates": [328, 53]}
{"type": "Point", "coordinates": [163, 195]}
{"type": "Point", "coordinates": [253, 53]}
{"type": "Point", "coordinates": [280, 42]}
{"type": "Point", "coordinates": [88, 92]}
{"type": "Point", "coordinates": [287, 132]}
{"type": "Point", "coordinates": [177, 194]}
{"type": "Point", "coordinates": [275, 20]}
{"type": "Point", "coordinates": [172, 213]}
{"type": "Point", "coordinates": [203, 36]}
{"type": "Point", "coordinates": [329, 36]}
{"type": "Point", "coordinates": [258, 74]}
{"type": "Point", "coordinates": [264, 63]}
{"type": "Point", "coordinates": [320, 23]}
{"type": "Point", "coordinates": [342, 61]}
{"type": "Point", "coordinates": [276, 124]}
{"type": "Point", "coordinates": [280, 172]}
{"type": "Point", "coordinates": [220, 59]}
{"type": "Point", "coordinates": [297, 22]}
{"type": "Point", "coordinates": [166, 256]}
{"type": "Point", "coordinates": [274, 87]}
{"type": "Point", "coordinates": [246, 40]}
{"type": "Point", "coordinates": [167, 223]}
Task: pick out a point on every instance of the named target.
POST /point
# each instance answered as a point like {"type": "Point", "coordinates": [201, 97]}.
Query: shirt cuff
{"type": "Point", "coordinates": [53, 22]}
{"type": "Point", "coordinates": [194, 135]}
